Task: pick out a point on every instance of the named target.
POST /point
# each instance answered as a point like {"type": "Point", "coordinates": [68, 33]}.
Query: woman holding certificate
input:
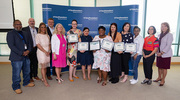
{"type": "Point", "coordinates": [43, 51]}
{"type": "Point", "coordinates": [86, 57]}
{"type": "Point", "coordinates": [72, 51]}
{"type": "Point", "coordinates": [115, 56]}
{"type": "Point", "coordinates": [150, 47]}
{"type": "Point", "coordinates": [58, 45]}
{"type": "Point", "coordinates": [164, 53]}
{"type": "Point", "coordinates": [102, 57]}
{"type": "Point", "coordinates": [136, 56]}
{"type": "Point", "coordinates": [127, 37]}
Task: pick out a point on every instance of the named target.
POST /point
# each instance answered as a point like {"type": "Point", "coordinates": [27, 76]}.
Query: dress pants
{"type": "Point", "coordinates": [33, 63]}
{"type": "Point", "coordinates": [148, 64]}
{"type": "Point", "coordinates": [125, 63]}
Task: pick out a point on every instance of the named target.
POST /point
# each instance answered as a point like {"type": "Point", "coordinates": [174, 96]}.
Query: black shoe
{"type": "Point", "coordinates": [116, 80]}
{"type": "Point", "coordinates": [111, 79]}
{"type": "Point", "coordinates": [144, 82]}
{"type": "Point", "coordinates": [149, 82]}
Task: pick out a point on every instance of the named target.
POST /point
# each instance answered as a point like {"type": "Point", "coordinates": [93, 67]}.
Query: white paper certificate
{"type": "Point", "coordinates": [72, 38]}
{"type": "Point", "coordinates": [130, 47]}
{"type": "Point", "coordinates": [83, 46]}
{"type": "Point", "coordinates": [119, 46]}
{"type": "Point", "coordinates": [108, 45]}
{"type": "Point", "coordinates": [95, 45]}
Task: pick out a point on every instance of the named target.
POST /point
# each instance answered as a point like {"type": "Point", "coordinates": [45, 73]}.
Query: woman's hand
{"type": "Point", "coordinates": [54, 56]}
{"type": "Point", "coordinates": [120, 52]}
{"type": "Point", "coordinates": [135, 56]}
{"type": "Point", "coordinates": [107, 51]}
{"type": "Point", "coordinates": [82, 51]}
{"type": "Point", "coordinates": [146, 56]}
{"type": "Point", "coordinates": [159, 54]}
{"type": "Point", "coordinates": [94, 51]}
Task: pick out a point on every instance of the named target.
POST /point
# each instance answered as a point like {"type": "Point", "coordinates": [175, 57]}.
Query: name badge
{"type": "Point", "coordinates": [25, 46]}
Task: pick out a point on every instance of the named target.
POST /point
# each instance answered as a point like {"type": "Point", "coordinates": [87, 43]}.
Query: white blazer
{"type": "Point", "coordinates": [55, 43]}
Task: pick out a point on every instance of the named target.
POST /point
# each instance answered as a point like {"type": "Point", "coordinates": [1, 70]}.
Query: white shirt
{"type": "Point", "coordinates": [55, 43]}
{"type": "Point", "coordinates": [33, 34]}
{"type": "Point", "coordinates": [139, 44]}
{"type": "Point", "coordinates": [51, 29]}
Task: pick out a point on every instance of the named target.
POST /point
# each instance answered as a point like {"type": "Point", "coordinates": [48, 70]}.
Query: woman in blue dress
{"type": "Point", "coordinates": [86, 57]}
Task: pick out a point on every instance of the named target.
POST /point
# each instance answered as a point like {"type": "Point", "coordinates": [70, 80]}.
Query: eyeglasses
{"type": "Point", "coordinates": [18, 24]}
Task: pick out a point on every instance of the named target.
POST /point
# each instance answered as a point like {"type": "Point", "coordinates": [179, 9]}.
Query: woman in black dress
{"type": "Point", "coordinates": [86, 57]}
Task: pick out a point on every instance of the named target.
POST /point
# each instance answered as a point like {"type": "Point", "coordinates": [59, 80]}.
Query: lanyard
{"type": "Point", "coordinates": [22, 38]}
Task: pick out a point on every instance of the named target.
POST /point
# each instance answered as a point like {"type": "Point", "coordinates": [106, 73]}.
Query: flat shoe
{"type": "Point", "coordinates": [76, 77]}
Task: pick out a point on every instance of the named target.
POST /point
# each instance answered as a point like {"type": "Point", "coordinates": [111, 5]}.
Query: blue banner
{"type": "Point", "coordinates": [92, 17]}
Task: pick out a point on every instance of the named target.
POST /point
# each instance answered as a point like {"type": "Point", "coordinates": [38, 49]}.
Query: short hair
{"type": "Point", "coordinates": [102, 27]}
{"type": "Point", "coordinates": [16, 21]}
{"type": "Point", "coordinates": [86, 28]}
{"type": "Point", "coordinates": [154, 29]}
{"type": "Point", "coordinates": [137, 28]}
{"type": "Point", "coordinates": [51, 19]}
{"type": "Point", "coordinates": [167, 25]}
{"type": "Point", "coordinates": [125, 25]}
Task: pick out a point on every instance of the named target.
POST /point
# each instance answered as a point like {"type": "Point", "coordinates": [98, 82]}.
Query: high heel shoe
{"type": "Point", "coordinates": [157, 80]}
{"type": "Point", "coordinates": [59, 81]}
{"type": "Point", "coordinates": [104, 83]}
{"type": "Point", "coordinates": [161, 84]}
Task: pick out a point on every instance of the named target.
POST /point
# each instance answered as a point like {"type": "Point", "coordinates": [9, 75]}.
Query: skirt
{"type": "Point", "coordinates": [163, 63]}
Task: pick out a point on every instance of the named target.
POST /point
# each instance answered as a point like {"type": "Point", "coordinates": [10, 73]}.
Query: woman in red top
{"type": "Point", "coordinates": [150, 47]}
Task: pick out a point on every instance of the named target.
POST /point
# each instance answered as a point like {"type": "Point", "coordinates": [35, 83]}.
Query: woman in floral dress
{"type": "Point", "coordinates": [102, 57]}
{"type": "Point", "coordinates": [72, 51]}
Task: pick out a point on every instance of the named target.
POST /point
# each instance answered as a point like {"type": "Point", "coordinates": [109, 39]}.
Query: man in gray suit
{"type": "Point", "coordinates": [20, 46]}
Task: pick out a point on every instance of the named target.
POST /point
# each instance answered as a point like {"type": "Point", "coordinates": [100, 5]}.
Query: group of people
{"type": "Point", "coordinates": [48, 45]}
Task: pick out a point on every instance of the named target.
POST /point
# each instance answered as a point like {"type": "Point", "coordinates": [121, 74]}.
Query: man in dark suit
{"type": "Point", "coordinates": [32, 30]}
{"type": "Point", "coordinates": [50, 30]}
{"type": "Point", "coordinates": [20, 46]}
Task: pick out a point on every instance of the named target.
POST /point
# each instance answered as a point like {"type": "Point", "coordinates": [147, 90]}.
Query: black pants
{"type": "Point", "coordinates": [48, 73]}
{"type": "Point", "coordinates": [33, 63]}
{"type": "Point", "coordinates": [147, 64]}
{"type": "Point", "coordinates": [125, 63]}
{"type": "Point", "coordinates": [115, 64]}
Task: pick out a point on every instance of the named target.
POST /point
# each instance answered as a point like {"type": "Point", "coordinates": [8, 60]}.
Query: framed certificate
{"type": "Point", "coordinates": [108, 45]}
{"type": "Point", "coordinates": [130, 47]}
{"type": "Point", "coordinates": [72, 38]}
{"type": "Point", "coordinates": [83, 46]}
{"type": "Point", "coordinates": [119, 46]}
{"type": "Point", "coordinates": [95, 45]}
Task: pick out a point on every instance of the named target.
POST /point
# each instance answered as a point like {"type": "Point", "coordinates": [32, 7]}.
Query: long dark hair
{"type": "Point", "coordinates": [125, 25]}
{"type": "Point", "coordinates": [110, 32]}
{"type": "Point", "coordinates": [72, 21]}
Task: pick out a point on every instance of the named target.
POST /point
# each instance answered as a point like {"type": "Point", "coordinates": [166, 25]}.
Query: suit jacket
{"type": "Point", "coordinates": [49, 32]}
{"type": "Point", "coordinates": [165, 46]}
{"type": "Point", "coordinates": [16, 45]}
{"type": "Point", "coordinates": [27, 29]}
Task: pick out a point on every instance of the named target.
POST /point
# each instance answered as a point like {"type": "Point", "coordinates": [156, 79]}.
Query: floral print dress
{"type": "Point", "coordinates": [101, 57]}
{"type": "Point", "coordinates": [72, 51]}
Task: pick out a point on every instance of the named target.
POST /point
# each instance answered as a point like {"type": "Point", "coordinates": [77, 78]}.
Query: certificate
{"type": "Point", "coordinates": [83, 46]}
{"type": "Point", "coordinates": [119, 46]}
{"type": "Point", "coordinates": [130, 47]}
{"type": "Point", "coordinates": [108, 45]}
{"type": "Point", "coordinates": [72, 38]}
{"type": "Point", "coordinates": [95, 45]}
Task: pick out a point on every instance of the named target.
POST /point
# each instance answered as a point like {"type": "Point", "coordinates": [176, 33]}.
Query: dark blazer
{"type": "Point", "coordinates": [49, 32]}
{"type": "Point", "coordinates": [27, 29]}
{"type": "Point", "coordinates": [16, 45]}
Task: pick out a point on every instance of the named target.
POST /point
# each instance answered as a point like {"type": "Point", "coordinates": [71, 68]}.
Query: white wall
{"type": "Point", "coordinates": [22, 11]}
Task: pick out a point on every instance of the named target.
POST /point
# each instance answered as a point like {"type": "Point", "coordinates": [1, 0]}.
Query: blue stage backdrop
{"type": "Point", "coordinates": [91, 17]}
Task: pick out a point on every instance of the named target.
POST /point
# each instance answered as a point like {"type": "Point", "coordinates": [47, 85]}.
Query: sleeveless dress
{"type": "Point", "coordinates": [86, 58]}
{"type": "Point", "coordinates": [61, 58]}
